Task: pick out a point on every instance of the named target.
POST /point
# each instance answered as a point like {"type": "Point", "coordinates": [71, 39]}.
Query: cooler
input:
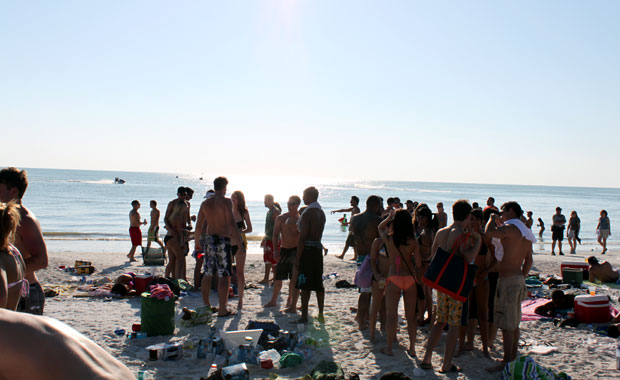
{"type": "Point", "coordinates": [572, 276]}
{"type": "Point", "coordinates": [156, 316]}
{"type": "Point", "coordinates": [153, 256]}
{"type": "Point", "coordinates": [592, 309]}
{"type": "Point", "coordinates": [585, 267]}
{"type": "Point", "coordinates": [141, 282]}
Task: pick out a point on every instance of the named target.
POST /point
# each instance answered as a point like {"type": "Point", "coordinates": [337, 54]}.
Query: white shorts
{"type": "Point", "coordinates": [571, 234]}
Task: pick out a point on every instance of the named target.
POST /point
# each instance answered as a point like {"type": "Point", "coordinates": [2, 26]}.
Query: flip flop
{"type": "Point", "coordinates": [229, 313]}
{"type": "Point", "coordinates": [426, 366]}
{"type": "Point", "coordinates": [452, 369]}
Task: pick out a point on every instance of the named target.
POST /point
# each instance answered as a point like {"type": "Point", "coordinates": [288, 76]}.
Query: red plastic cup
{"type": "Point", "coordinates": [136, 327]}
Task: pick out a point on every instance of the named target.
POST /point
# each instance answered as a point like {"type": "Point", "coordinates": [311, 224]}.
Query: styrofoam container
{"type": "Point", "coordinates": [234, 339]}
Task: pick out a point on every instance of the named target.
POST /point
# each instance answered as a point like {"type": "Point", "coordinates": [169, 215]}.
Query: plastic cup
{"type": "Point", "coordinates": [592, 290]}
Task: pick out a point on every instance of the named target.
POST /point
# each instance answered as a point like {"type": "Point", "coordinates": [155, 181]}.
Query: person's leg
{"type": "Point", "coordinates": [375, 305]}
{"type": "Point", "coordinates": [132, 252]}
{"type": "Point", "coordinates": [392, 297]}
{"type": "Point", "coordinates": [305, 299]}
{"type": "Point", "coordinates": [553, 246]}
{"type": "Point", "coordinates": [560, 246]}
{"type": "Point", "coordinates": [293, 293]}
{"type": "Point", "coordinates": [276, 292]}
{"type": "Point", "coordinates": [320, 300]}
{"type": "Point", "coordinates": [240, 257]}
{"type": "Point", "coordinates": [197, 272]}
{"type": "Point", "coordinates": [410, 298]}
{"type": "Point", "coordinates": [205, 289]}
{"type": "Point", "coordinates": [265, 280]}
{"type": "Point", "coordinates": [433, 340]}
{"type": "Point", "coordinates": [604, 244]}
{"type": "Point", "coordinates": [428, 302]}
{"type": "Point", "coordinates": [509, 341]}
{"type": "Point", "coordinates": [344, 251]}
{"type": "Point", "coordinates": [363, 306]}
{"type": "Point", "coordinates": [161, 244]}
{"type": "Point", "coordinates": [223, 284]}
{"type": "Point", "coordinates": [482, 293]}
{"type": "Point", "coordinates": [453, 334]}
{"type": "Point", "coordinates": [570, 244]}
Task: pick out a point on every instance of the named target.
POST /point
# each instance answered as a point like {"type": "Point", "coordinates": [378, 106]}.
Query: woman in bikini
{"type": "Point", "coordinates": [13, 285]}
{"type": "Point", "coordinates": [380, 265]}
{"type": "Point", "coordinates": [404, 255]}
{"type": "Point", "coordinates": [423, 217]}
{"type": "Point", "coordinates": [244, 224]}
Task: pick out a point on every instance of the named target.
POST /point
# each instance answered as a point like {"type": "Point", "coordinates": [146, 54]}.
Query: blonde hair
{"type": "Point", "coordinates": [9, 220]}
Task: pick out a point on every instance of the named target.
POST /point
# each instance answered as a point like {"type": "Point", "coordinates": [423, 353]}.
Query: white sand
{"type": "Point", "coordinates": [581, 353]}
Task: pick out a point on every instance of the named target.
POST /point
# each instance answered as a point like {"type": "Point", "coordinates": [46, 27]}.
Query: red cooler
{"type": "Point", "coordinates": [142, 282]}
{"type": "Point", "coordinates": [585, 267]}
{"type": "Point", "coordinates": [592, 309]}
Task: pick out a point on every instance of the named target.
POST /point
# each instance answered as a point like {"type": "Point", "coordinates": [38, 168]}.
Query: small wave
{"type": "Point", "coordinates": [98, 182]}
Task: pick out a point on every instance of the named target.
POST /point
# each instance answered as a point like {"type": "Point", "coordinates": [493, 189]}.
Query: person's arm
{"type": "Point", "coordinates": [200, 228]}
{"type": "Point", "coordinates": [545, 310]}
{"type": "Point", "coordinates": [350, 209]}
{"type": "Point", "coordinates": [383, 226]}
{"type": "Point", "coordinates": [232, 226]}
{"type": "Point", "coordinates": [303, 236]}
{"type": "Point", "coordinates": [248, 223]}
{"type": "Point", "coordinates": [492, 230]}
{"type": "Point", "coordinates": [591, 276]}
{"type": "Point", "coordinates": [167, 221]}
{"type": "Point", "coordinates": [277, 229]}
{"type": "Point", "coordinates": [4, 288]}
{"type": "Point", "coordinates": [32, 240]}
{"type": "Point", "coordinates": [527, 264]}
{"type": "Point", "coordinates": [471, 252]}
{"type": "Point", "coordinates": [417, 262]}
{"type": "Point", "coordinates": [374, 258]}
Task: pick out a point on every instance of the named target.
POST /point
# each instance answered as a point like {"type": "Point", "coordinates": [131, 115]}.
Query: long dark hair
{"type": "Point", "coordinates": [402, 227]}
{"type": "Point", "coordinates": [9, 220]}
{"type": "Point", "coordinates": [241, 207]}
{"type": "Point", "coordinates": [422, 211]}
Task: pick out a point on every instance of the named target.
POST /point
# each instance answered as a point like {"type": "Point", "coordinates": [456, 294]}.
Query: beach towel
{"type": "Point", "coordinates": [525, 368]}
{"type": "Point", "coordinates": [528, 307]}
{"type": "Point", "coordinates": [525, 232]}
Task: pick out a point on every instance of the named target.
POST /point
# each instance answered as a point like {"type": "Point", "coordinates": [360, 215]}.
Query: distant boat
{"type": "Point", "coordinates": [119, 181]}
{"type": "Point", "coordinates": [200, 178]}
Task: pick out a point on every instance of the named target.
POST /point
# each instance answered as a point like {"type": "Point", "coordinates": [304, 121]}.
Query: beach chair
{"type": "Point", "coordinates": [153, 256]}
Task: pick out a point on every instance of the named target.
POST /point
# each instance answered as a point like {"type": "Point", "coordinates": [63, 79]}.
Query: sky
{"type": "Point", "coordinates": [521, 92]}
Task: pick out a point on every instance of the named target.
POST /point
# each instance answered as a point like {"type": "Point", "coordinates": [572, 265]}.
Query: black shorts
{"type": "Point", "coordinates": [311, 270]}
{"type": "Point", "coordinates": [350, 240]}
{"type": "Point", "coordinates": [34, 302]}
{"type": "Point", "coordinates": [284, 269]}
{"type": "Point", "coordinates": [493, 276]}
{"type": "Point", "coordinates": [557, 233]}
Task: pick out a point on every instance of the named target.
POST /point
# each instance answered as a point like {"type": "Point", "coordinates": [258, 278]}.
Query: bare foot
{"type": "Point", "coordinates": [363, 326]}
{"type": "Point", "coordinates": [387, 351]}
{"type": "Point", "coordinates": [340, 257]}
{"type": "Point", "coordinates": [270, 304]}
{"type": "Point", "coordinates": [131, 259]}
{"type": "Point", "coordinates": [290, 310]}
{"type": "Point", "coordinates": [227, 313]}
{"type": "Point", "coordinates": [320, 318]}
{"type": "Point", "coordinates": [240, 305]}
{"type": "Point", "coordinates": [264, 282]}
{"type": "Point", "coordinates": [497, 368]}
{"type": "Point", "coordinates": [353, 258]}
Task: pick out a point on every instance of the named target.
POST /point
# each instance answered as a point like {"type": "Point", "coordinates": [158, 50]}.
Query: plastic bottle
{"type": "Point", "coordinates": [212, 370]}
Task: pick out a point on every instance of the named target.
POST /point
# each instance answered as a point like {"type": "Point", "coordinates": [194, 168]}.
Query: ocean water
{"type": "Point", "coordinates": [84, 210]}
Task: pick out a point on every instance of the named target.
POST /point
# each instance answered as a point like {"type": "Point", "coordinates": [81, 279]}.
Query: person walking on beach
{"type": "Point", "coordinates": [364, 229]}
{"type": "Point", "coordinates": [285, 238]}
{"type": "Point", "coordinates": [134, 229]}
{"type": "Point", "coordinates": [404, 255]}
{"type": "Point", "coordinates": [449, 310]}
{"type": "Point", "coordinates": [153, 234]}
{"type": "Point", "coordinates": [603, 230]}
{"type": "Point", "coordinates": [13, 284]}
{"type": "Point", "coordinates": [354, 210]}
{"type": "Point", "coordinates": [516, 241]}
{"type": "Point", "coordinates": [28, 238]}
{"type": "Point", "coordinates": [221, 230]}
{"type": "Point", "coordinates": [541, 225]}
{"type": "Point", "coordinates": [267, 242]}
{"type": "Point", "coordinates": [572, 231]}
{"type": "Point", "coordinates": [309, 258]}
{"type": "Point", "coordinates": [442, 217]}
{"type": "Point", "coordinates": [175, 220]}
{"type": "Point", "coordinates": [557, 230]}
{"type": "Point", "coordinates": [244, 225]}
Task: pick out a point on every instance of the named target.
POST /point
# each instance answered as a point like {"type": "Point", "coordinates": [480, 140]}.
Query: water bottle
{"type": "Point", "coordinates": [203, 346]}
{"type": "Point", "coordinates": [212, 370]}
{"type": "Point", "coordinates": [618, 357]}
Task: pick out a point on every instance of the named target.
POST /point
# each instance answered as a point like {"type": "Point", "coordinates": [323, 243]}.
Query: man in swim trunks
{"type": "Point", "coordinates": [267, 243]}
{"type": "Point", "coordinates": [309, 259]}
{"type": "Point", "coordinates": [513, 268]}
{"type": "Point", "coordinates": [28, 239]}
{"type": "Point", "coordinates": [175, 220]}
{"type": "Point", "coordinates": [43, 348]}
{"type": "Point", "coordinates": [218, 215]}
{"type": "Point", "coordinates": [285, 238]}
{"type": "Point", "coordinates": [557, 230]}
{"type": "Point", "coordinates": [449, 310]}
{"type": "Point", "coordinates": [200, 240]}
{"type": "Point", "coordinates": [153, 234]}
{"type": "Point", "coordinates": [354, 210]}
{"type": "Point", "coordinates": [134, 229]}
{"type": "Point", "coordinates": [364, 228]}
{"type": "Point", "coordinates": [604, 272]}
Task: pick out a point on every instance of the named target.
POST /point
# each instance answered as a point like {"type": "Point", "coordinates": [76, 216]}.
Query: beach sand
{"type": "Point", "coordinates": [580, 352]}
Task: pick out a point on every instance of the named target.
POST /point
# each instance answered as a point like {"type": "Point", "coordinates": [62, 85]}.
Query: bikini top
{"type": "Point", "coordinates": [241, 224]}
{"type": "Point", "coordinates": [25, 286]}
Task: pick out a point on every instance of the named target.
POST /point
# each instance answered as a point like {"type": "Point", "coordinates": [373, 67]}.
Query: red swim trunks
{"type": "Point", "coordinates": [136, 236]}
{"type": "Point", "coordinates": [268, 253]}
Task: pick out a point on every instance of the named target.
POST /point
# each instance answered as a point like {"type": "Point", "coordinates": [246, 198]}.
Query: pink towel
{"type": "Point", "coordinates": [528, 307]}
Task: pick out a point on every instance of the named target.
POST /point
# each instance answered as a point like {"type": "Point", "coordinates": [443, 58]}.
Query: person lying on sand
{"type": "Point", "coordinates": [559, 301]}
{"type": "Point", "coordinates": [604, 272]}
{"type": "Point", "coordinates": [60, 352]}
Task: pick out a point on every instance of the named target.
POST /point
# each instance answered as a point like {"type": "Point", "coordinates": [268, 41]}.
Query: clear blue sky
{"type": "Point", "coordinates": [521, 92]}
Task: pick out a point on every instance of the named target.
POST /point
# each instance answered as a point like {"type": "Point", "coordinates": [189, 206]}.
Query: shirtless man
{"type": "Point", "coordinates": [309, 259]}
{"type": "Point", "coordinates": [491, 204]}
{"type": "Point", "coordinates": [603, 272]}
{"type": "Point", "coordinates": [442, 217]}
{"type": "Point", "coordinates": [267, 243]}
{"type": "Point", "coordinates": [217, 213]}
{"type": "Point", "coordinates": [43, 348]}
{"type": "Point", "coordinates": [449, 310]}
{"type": "Point", "coordinates": [134, 229]}
{"type": "Point", "coordinates": [354, 210]}
{"type": "Point", "coordinates": [200, 239]}
{"type": "Point", "coordinates": [285, 238]}
{"type": "Point", "coordinates": [513, 267]}
{"type": "Point", "coordinates": [153, 234]}
{"type": "Point", "coordinates": [364, 228]}
{"type": "Point", "coordinates": [28, 239]}
{"type": "Point", "coordinates": [175, 220]}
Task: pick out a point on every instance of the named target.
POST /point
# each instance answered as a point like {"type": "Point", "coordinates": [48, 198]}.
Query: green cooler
{"type": "Point", "coordinates": [572, 276]}
{"type": "Point", "coordinates": [156, 316]}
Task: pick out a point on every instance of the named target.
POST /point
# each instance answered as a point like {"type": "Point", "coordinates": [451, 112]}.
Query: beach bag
{"type": "Point", "coordinates": [450, 274]}
{"type": "Point", "coordinates": [269, 328]}
{"type": "Point", "coordinates": [156, 316]}
{"type": "Point", "coordinates": [525, 368]}
{"type": "Point", "coordinates": [363, 276]}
